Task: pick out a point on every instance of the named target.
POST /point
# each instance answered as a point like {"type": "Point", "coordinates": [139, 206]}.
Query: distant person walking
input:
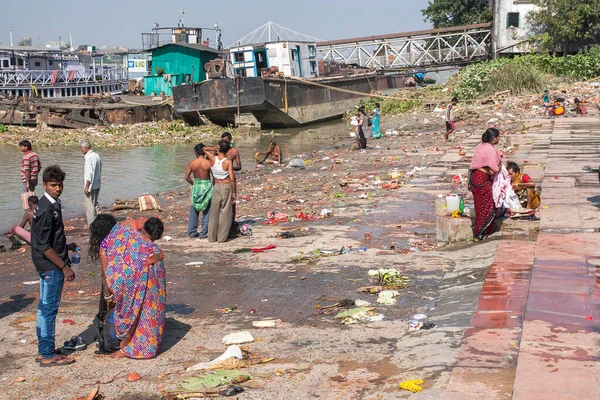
{"type": "Point", "coordinates": [375, 128]}
{"type": "Point", "coordinates": [449, 117]}
{"type": "Point", "coordinates": [219, 222]}
{"type": "Point", "coordinates": [30, 167]}
{"type": "Point", "coordinates": [198, 175]}
{"type": "Point", "coordinates": [92, 177]}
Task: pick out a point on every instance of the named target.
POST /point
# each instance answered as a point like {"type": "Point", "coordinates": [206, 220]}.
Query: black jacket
{"type": "Point", "coordinates": [47, 231]}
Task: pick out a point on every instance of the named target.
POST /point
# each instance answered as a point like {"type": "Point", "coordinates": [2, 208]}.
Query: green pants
{"type": "Point", "coordinates": [221, 213]}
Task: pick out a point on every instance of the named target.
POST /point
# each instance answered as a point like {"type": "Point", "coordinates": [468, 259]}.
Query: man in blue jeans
{"type": "Point", "coordinates": [50, 257]}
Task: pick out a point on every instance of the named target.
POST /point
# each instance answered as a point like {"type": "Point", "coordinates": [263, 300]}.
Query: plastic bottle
{"type": "Point", "coordinates": [75, 257]}
{"type": "Point", "coordinates": [461, 204]}
{"type": "Point", "coordinates": [440, 205]}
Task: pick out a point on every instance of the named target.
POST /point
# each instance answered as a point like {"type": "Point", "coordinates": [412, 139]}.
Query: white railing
{"type": "Point", "coordinates": [56, 78]}
{"type": "Point", "coordinates": [429, 49]}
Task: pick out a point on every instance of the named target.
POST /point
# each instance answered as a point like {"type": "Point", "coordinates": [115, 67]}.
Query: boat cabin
{"type": "Point", "coordinates": [291, 58]}
{"type": "Point", "coordinates": [176, 64]}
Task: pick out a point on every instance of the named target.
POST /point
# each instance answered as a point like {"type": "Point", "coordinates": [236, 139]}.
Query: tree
{"type": "Point", "coordinates": [565, 25]}
{"type": "Point", "coordinates": [445, 13]}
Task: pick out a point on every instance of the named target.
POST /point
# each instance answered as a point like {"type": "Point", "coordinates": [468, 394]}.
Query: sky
{"type": "Point", "coordinates": [119, 23]}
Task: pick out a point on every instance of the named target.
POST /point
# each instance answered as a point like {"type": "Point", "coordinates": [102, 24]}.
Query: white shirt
{"type": "Point", "coordinates": [92, 170]}
{"type": "Point", "coordinates": [450, 112]}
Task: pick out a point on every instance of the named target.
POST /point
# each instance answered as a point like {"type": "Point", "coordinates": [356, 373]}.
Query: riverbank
{"type": "Point", "coordinates": [293, 283]}
{"type": "Point", "coordinates": [143, 134]}
{"type": "Point", "coordinates": [314, 355]}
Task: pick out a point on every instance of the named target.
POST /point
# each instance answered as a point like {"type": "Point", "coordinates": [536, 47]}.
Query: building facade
{"type": "Point", "coordinates": [291, 58]}
{"type": "Point", "coordinates": [511, 27]}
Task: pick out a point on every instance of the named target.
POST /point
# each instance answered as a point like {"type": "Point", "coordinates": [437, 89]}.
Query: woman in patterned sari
{"type": "Point", "coordinates": [484, 166]}
{"type": "Point", "coordinates": [133, 280]}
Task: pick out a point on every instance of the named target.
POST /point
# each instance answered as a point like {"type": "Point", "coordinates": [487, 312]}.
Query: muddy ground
{"type": "Point", "coordinates": [314, 355]}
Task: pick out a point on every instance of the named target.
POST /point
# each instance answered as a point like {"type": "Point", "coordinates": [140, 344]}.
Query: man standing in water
{"type": "Point", "coordinates": [202, 191]}
{"type": "Point", "coordinates": [449, 117]}
{"type": "Point", "coordinates": [30, 167]}
{"type": "Point", "coordinates": [92, 176]}
{"type": "Point", "coordinates": [51, 259]}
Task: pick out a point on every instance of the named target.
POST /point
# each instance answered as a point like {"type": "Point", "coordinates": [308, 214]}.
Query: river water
{"type": "Point", "coordinates": [130, 172]}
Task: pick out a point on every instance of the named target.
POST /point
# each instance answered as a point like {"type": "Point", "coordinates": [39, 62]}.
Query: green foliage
{"type": "Point", "coordinates": [3, 128]}
{"type": "Point", "coordinates": [160, 71]}
{"type": "Point", "coordinates": [565, 25]}
{"type": "Point", "coordinates": [392, 106]}
{"type": "Point", "coordinates": [444, 13]}
{"type": "Point", "coordinates": [525, 74]}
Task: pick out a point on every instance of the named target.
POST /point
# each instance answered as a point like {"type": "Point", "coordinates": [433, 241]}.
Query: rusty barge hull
{"type": "Point", "coordinates": [75, 115]}
{"type": "Point", "coordinates": [276, 102]}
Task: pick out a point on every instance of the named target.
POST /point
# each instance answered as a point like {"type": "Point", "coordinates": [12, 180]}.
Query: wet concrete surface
{"type": "Point", "coordinates": [315, 356]}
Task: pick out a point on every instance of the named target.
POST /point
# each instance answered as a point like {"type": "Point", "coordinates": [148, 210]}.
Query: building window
{"type": "Point", "coordinates": [293, 55]}
{"type": "Point", "coordinates": [5, 64]}
{"type": "Point", "coordinates": [38, 64]}
{"type": "Point", "coordinates": [238, 57]}
{"type": "Point", "coordinates": [313, 67]}
{"type": "Point", "coordinates": [312, 51]}
{"type": "Point", "coordinates": [241, 72]}
{"type": "Point", "coordinates": [513, 20]}
{"type": "Point", "coordinates": [20, 62]}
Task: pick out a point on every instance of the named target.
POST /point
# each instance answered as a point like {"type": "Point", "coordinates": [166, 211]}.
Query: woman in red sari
{"type": "Point", "coordinates": [484, 166]}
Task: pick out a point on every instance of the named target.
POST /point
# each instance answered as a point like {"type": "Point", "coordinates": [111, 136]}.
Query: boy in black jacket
{"type": "Point", "coordinates": [50, 257]}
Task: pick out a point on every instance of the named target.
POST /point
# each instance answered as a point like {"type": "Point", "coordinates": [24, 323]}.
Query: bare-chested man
{"type": "Point", "coordinates": [272, 155]}
{"type": "Point", "coordinates": [202, 191]}
{"type": "Point", "coordinates": [233, 154]}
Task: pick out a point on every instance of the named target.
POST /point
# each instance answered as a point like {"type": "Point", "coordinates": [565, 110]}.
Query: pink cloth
{"type": "Point", "coordinates": [22, 233]}
{"type": "Point", "coordinates": [486, 156]}
{"type": "Point", "coordinates": [500, 186]}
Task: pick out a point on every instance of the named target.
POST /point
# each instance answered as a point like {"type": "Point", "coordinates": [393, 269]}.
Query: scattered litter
{"type": "Point", "coordinates": [233, 351]}
{"type": "Point", "coordinates": [387, 297]}
{"type": "Point", "coordinates": [195, 263]}
{"type": "Point", "coordinates": [272, 323]}
{"type": "Point", "coordinates": [413, 385]}
{"type": "Point", "coordinates": [415, 323]}
{"type": "Point", "coordinates": [326, 213]}
{"type": "Point", "coordinates": [167, 238]}
{"type": "Point", "coordinates": [375, 318]}
{"type": "Point", "coordinates": [355, 315]}
{"type": "Point", "coordinates": [361, 303]}
{"type": "Point", "coordinates": [238, 338]}
{"type": "Point", "coordinates": [68, 321]}
{"type": "Point", "coordinates": [215, 379]}
{"type": "Point", "coordinates": [389, 277]}
{"type": "Point", "coordinates": [429, 325]}
{"type": "Point", "coordinates": [23, 341]}
{"type": "Point", "coordinates": [588, 318]}
{"type": "Point", "coordinates": [29, 283]}
{"type": "Point", "coordinates": [296, 163]}
{"type": "Point", "coordinates": [263, 249]}
{"type": "Point", "coordinates": [472, 277]}
{"type": "Point", "coordinates": [276, 171]}
{"type": "Point", "coordinates": [246, 230]}
{"type": "Point", "coordinates": [133, 376]}
{"type": "Point", "coordinates": [231, 391]}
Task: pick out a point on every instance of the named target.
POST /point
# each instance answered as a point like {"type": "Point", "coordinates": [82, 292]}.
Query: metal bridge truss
{"type": "Point", "coordinates": [416, 50]}
{"type": "Point", "coordinates": [26, 78]}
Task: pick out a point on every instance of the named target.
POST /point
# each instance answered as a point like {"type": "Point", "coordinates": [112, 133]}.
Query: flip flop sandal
{"type": "Point", "coordinates": [38, 358]}
{"type": "Point", "coordinates": [2, 249]}
{"type": "Point", "coordinates": [58, 362]}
